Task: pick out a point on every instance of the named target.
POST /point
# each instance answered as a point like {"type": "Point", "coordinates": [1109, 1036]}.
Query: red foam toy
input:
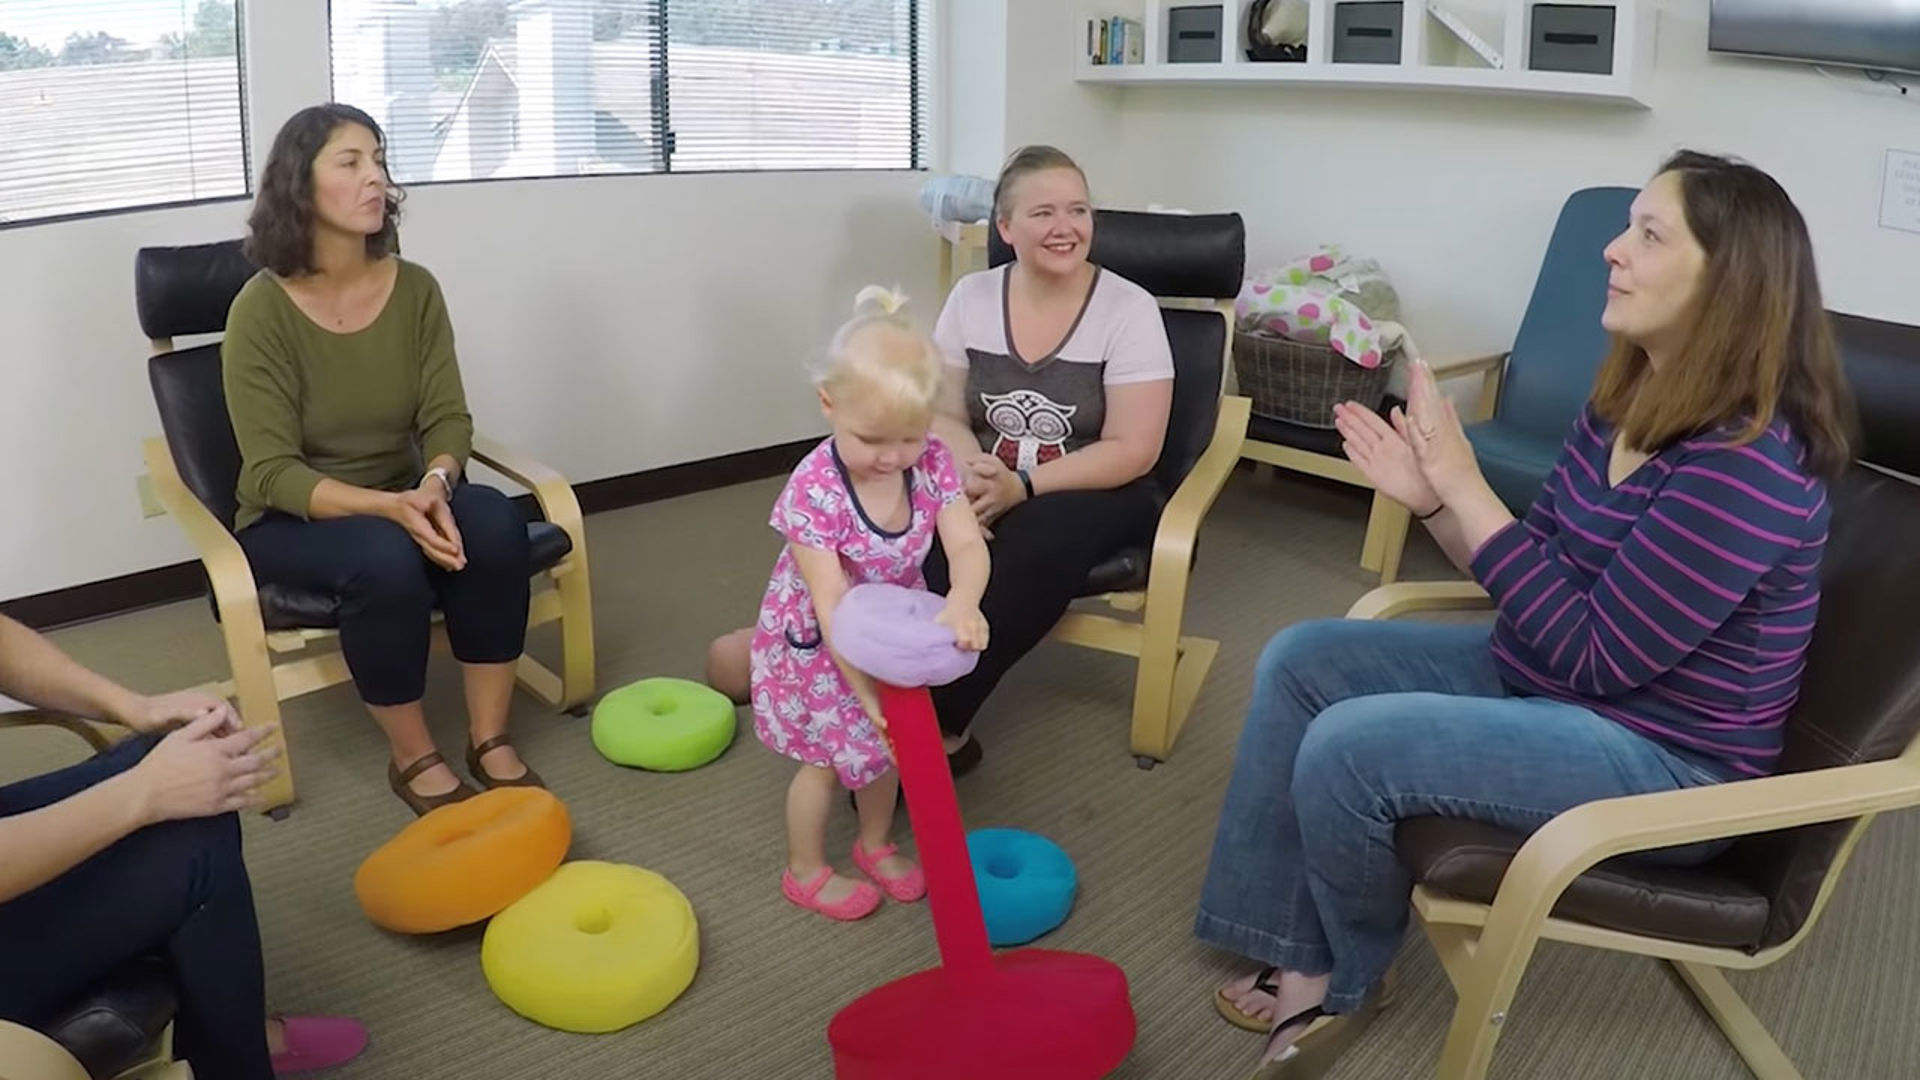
{"type": "Point", "coordinates": [978, 1016]}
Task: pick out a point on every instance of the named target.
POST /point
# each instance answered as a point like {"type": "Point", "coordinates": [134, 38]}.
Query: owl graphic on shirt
{"type": "Point", "coordinates": [1030, 428]}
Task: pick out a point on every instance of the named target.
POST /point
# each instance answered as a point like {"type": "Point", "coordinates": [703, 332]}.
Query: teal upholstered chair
{"type": "Point", "coordinates": [1538, 389]}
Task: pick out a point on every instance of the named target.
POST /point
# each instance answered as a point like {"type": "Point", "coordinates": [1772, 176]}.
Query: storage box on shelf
{"type": "Point", "coordinates": [1591, 50]}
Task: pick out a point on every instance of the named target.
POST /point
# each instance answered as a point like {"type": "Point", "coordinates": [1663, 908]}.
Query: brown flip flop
{"type": "Point", "coordinates": [1328, 1035]}
{"type": "Point", "coordinates": [1262, 983]}
{"type": "Point", "coordinates": [488, 780]}
{"type": "Point", "coordinates": [398, 779]}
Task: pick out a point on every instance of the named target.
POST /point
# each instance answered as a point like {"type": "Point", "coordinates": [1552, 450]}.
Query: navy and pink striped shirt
{"type": "Point", "coordinates": [1679, 603]}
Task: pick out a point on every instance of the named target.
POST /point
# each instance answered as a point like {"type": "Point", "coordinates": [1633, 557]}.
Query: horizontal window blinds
{"type": "Point", "coordinates": [489, 89]}
{"type": "Point", "coordinates": [113, 104]}
{"type": "Point", "coordinates": [793, 84]}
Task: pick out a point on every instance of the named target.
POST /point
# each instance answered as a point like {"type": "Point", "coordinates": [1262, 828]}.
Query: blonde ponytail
{"type": "Point", "coordinates": [878, 301]}
{"type": "Point", "coordinates": [880, 350]}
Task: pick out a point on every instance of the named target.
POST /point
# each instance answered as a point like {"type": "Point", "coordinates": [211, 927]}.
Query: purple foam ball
{"type": "Point", "coordinates": [888, 632]}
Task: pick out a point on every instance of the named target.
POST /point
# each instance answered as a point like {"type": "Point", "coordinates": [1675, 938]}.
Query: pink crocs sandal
{"type": "Point", "coordinates": [318, 1042]}
{"type": "Point", "coordinates": [905, 888]}
{"type": "Point", "coordinates": [857, 904]}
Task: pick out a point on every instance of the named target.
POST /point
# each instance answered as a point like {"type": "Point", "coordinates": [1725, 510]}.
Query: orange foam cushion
{"type": "Point", "coordinates": [464, 862]}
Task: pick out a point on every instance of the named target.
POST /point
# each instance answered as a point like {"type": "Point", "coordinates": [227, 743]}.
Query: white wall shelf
{"type": "Point", "coordinates": [1431, 58]}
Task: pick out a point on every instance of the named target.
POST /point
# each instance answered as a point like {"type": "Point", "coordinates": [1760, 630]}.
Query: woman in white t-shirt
{"type": "Point", "coordinates": [1061, 385]}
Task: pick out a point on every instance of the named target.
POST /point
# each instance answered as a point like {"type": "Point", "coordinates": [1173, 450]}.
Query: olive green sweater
{"type": "Point", "coordinates": [366, 408]}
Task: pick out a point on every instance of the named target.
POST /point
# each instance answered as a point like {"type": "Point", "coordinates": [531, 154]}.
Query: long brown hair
{"type": "Point", "coordinates": [280, 228]}
{"type": "Point", "coordinates": [1759, 344]}
{"type": "Point", "coordinates": [1024, 161]}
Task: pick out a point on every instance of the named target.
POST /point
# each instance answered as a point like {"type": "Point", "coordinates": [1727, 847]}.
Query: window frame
{"type": "Point", "coordinates": [243, 93]}
{"type": "Point", "coordinates": [919, 17]}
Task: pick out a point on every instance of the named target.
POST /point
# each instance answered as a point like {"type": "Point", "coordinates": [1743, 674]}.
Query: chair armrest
{"type": "Point", "coordinates": [1490, 368]}
{"type": "Point", "coordinates": [558, 504]}
{"type": "Point", "coordinates": [1180, 519]}
{"type": "Point", "coordinates": [226, 564]}
{"type": "Point", "coordinates": [30, 1055]}
{"type": "Point", "coordinates": [100, 736]}
{"type": "Point", "coordinates": [1467, 365]}
{"type": "Point", "coordinates": [1576, 840]}
{"type": "Point", "coordinates": [1407, 597]}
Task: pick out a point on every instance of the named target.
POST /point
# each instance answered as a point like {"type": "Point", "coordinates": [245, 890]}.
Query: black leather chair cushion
{"type": "Point", "coordinates": [1883, 366]}
{"type": "Point", "coordinates": [1467, 859]}
{"type": "Point", "coordinates": [187, 290]}
{"type": "Point", "coordinates": [1322, 441]}
{"type": "Point", "coordinates": [119, 1022]}
{"type": "Point", "coordinates": [282, 608]}
{"type": "Point", "coordinates": [192, 403]}
{"type": "Point", "coordinates": [1126, 571]}
{"type": "Point", "coordinates": [1190, 255]}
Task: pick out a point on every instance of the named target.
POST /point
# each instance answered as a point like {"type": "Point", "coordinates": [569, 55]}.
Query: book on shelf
{"type": "Point", "coordinates": [1116, 40]}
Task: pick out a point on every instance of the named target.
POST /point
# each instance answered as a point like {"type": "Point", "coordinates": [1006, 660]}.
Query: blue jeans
{"type": "Point", "coordinates": [177, 890]}
{"type": "Point", "coordinates": [1356, 725]}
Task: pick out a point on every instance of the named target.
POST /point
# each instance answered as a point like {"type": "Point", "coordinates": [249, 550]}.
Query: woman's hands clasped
{"type": "Point", "coordinates": [1421, 459]}
{"type": "Point", "coordinates": [427, 517]}
{"type": "Point", "coordinates": [210, 766]}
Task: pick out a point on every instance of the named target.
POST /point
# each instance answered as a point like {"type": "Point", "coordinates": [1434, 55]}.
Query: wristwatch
{"type": "Point", "coordinates": [440, 473]}
{"type": "Point", "coordinates": [1026, 481]}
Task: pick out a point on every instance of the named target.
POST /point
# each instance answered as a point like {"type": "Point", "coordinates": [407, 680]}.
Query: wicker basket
{"type": "Point", "coordinates": [1300, 383]}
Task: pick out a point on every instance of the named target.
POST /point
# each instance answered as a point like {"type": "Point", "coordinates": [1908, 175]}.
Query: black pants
{"type": "Point", "coordinates": [388, 588]}
{"type": "Point", "coordinates": [177, 890]}
{"type": "Point", "coordinates": [1043, 550]}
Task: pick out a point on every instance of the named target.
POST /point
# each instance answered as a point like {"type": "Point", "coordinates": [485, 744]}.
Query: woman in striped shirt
{"type": "Point", "coordinates": [1654, 608]}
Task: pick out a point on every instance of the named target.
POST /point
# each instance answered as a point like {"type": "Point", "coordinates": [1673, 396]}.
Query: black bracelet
{"type": "Point", "coordinates": [1026, 481]}
{"type": "Point", "coordinates": [1430, 514]}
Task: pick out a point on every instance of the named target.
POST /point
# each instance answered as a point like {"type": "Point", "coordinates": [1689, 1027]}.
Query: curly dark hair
{"type": "Point", "coordinates": [280, 228]}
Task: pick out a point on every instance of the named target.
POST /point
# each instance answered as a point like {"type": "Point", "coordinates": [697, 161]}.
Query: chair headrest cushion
{"type": "Point", "coordinates": [187, 290]}
{"type": "Point", "coordinates": [1185, 255]}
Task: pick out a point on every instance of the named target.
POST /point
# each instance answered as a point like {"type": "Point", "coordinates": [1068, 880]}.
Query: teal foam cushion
{"type": "Point", "coordinates": [1026, 883]}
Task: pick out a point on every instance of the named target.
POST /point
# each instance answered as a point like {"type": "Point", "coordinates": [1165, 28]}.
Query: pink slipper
{"type": "Point", "coordinates": [319, 1042]}
{"type": "Point", "coordinates": [905, 888]}
{"type": "Point", "coordinates": [857, 904]}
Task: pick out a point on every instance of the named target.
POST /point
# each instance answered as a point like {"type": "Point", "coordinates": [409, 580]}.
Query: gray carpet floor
{"type": "Point", "coordinates": [670, 575]}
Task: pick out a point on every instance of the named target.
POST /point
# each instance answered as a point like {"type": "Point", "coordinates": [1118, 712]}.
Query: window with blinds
{"type": "Point", "coordinates": [116, 104]}
{"type": "Point", "coordinates": [490, 89]}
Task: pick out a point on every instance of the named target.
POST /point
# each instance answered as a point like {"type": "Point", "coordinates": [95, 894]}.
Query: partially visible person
{"type": "Point", "coordinates": [354, 436]}
{"type": "Point", "coordinates": [136, 852]}
{"type": "Point", "coordinates": [1654, 609]}
{"type": "Point", "coordinates": [1059, 385]}
{"type": "Point", "coordinates": [864, 506]}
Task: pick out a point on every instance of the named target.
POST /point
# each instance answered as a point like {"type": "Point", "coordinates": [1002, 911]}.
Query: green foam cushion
{"type": "Point", "coordinates": [663, 724]}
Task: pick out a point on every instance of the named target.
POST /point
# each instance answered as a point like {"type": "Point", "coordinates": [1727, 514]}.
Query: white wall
{"type": "Point", "coordinates": [974, 98]}
{"type": "Point", "coordinates": [1456, 194]}
{"type": "Point", "coordinates": [605, 324]}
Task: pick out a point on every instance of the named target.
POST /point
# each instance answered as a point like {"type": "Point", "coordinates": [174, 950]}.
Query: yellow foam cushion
{"type": "Point", "coordinates": [465, 861]}
{"type": "Point", "coordinates": [594, 948]}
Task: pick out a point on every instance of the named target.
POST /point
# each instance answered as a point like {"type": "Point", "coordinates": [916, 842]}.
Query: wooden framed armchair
{"type": "Point", "coordinates": [1486, 898]}
{"type": "Point", "coordinates": [1193, 263]}
{"type": "Point", "coordinates": [121, 1029]}
{"type": "Point", "coordinates": [195, 469]}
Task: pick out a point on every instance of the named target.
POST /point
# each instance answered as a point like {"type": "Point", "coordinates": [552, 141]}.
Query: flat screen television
{"type": "Point", "coordinates": [1873, 34]}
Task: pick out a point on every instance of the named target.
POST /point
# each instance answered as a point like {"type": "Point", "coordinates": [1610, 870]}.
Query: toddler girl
{"type": "Point", "coordinates": [863, 506]}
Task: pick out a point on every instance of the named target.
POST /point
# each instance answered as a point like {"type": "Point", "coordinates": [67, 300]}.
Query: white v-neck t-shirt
{"type": "Point", "coordinates": [1030, 411]}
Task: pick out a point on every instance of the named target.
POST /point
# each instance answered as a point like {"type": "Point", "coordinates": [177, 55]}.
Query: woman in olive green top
{"type": "Point", "coordinates": [354, 434]}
